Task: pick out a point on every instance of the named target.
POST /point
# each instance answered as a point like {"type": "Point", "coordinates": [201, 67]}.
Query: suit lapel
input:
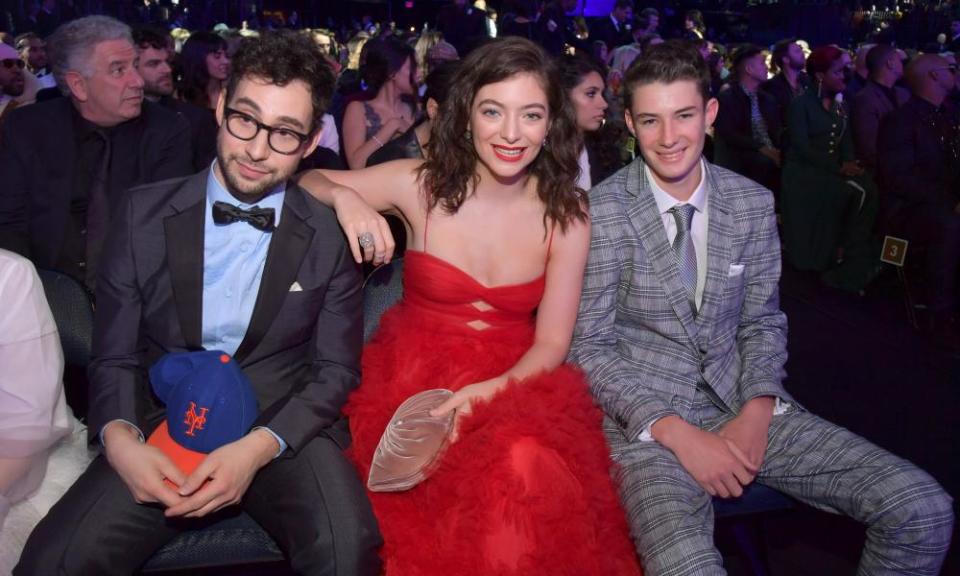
{"type": "Point", "coordinates": [288, 247]}
{"type": "Point", "coordinates": [646, 215]}
{"type": "Point", "coordinates": [184, 240]}
{"type": "Point", "coordinates": [719, 239]}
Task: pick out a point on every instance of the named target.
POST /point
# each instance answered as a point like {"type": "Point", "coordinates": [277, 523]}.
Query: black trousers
{"type": "Point", "coordinates": [936, 228]}
{"type": "Point", "coordinates": [312, 504]}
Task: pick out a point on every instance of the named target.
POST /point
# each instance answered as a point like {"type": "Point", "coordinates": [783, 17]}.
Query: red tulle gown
{"type": "Point", "coordinates": [526, 489]}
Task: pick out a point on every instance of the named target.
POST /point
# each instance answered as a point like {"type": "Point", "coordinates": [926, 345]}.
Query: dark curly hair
{"type": "Point", "coordinates": [194, 77]}
{"type": "Point", "coordinates": [384, 57]}
{"type": "Point", "coordinates": [448, 177]}
{"type": "Point", "coordinates": [281, 57]}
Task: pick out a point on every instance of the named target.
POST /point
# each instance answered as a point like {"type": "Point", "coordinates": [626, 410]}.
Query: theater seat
{"type": "Point", "coordinates": [743, 517]}
{"type": "Point", "coordinates": [233, 541]}
{"type": "Point", "coordinates": [72, 307]}
{"type": "Point", "coordinates": [381, 290]}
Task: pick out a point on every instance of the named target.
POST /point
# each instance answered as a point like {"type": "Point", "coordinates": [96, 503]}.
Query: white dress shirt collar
{"type": "Point", "coordinates": [665, 201]}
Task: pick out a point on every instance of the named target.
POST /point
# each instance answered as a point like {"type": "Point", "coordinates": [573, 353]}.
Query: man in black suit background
{"type": "Point", "coordinates": [790, 81]}
{"type": "Point", "coordinates": [66, 162]}
{"type": "Point", "coordinates": [615, 29]}
{"type": "Point", "coordinates": [154, 66]}
{"type": "Point", "coordinates": [918, 169]}
{"type": "Point", "coordinates": [236, 259]}
{"type": "Point", "coordinates": [748, 128]}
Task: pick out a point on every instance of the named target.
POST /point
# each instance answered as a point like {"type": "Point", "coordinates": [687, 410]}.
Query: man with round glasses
{"type": "Point", "coordinates": [236, 259]}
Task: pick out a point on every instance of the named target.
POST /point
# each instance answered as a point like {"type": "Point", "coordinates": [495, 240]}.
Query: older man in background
{"type": "Point", "coordinates": [66, 162]}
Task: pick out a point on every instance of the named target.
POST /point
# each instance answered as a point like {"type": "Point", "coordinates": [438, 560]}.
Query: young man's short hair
{"type": "Point", "coordinates": [669, 62]}
{"type": "Point", "coordinates": [741, 54]}
{"type": "Point", "coordinates": [878, 56]}
{"type": "Point", "coordinates": [280, 57]}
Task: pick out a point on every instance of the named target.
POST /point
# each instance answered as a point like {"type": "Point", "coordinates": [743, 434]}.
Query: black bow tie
{"type": "Point", "coordinates": [259, 218]}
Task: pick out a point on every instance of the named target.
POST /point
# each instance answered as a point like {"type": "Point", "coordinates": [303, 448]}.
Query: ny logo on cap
{"type": "Point", "coordinates": [193, 420]}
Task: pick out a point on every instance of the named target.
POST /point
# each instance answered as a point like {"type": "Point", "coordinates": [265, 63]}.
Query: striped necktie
{"type": "Point", "coordinates": [685, 253]}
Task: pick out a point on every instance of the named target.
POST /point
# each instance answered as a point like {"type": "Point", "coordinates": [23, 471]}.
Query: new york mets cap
{"type": "Point", "coordinates": [210, 403]}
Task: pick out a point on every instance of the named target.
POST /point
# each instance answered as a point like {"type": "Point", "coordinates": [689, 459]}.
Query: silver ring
{"type": "Point", "coordinates": [366, 240]}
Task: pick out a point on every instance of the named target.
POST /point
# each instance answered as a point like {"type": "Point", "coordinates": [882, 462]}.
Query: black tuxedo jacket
{"type": "Point", "coordinates": [38, 161]}
{"type": "Point", "coordinates": [734, 132]}
{"type": "Point", "coordinates": [203, 130]}
{"type": "Point", "coordinates": [603, 29]}
{"type": "Point", "coordinates": [302, 347]}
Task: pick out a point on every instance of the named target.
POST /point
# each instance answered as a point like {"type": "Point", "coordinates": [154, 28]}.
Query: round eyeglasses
{"type": "Point", "coordinates": [281, 140]}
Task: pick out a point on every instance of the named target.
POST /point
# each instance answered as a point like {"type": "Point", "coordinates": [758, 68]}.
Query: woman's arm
{"type": "Point", "coordinates": [358, 196]}
{"type": "Point", "coordinates": [556, 317]}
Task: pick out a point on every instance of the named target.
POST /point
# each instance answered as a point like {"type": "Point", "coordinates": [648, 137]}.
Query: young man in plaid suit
{"type": "Point", "coordinates": [682, 335]}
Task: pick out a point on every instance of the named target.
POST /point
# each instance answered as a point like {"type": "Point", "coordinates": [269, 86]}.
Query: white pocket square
{"type": "Point", "coordinates": [735, 270]}
{"type": "Point", "coordinates": [295, 287]}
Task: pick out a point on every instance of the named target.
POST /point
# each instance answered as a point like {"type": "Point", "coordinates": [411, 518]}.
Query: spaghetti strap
{"type": "Point", "coordinates": [549, 242]}
{"type": "Point", "coordinates": [426, 226]}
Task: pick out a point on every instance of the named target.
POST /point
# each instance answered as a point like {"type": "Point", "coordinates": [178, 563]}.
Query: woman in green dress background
{"type": "Point", "coordinates": [828, 202]}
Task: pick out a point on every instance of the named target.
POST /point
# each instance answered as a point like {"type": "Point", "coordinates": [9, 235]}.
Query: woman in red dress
{"type": "Point", "coordinates": [498, 239]}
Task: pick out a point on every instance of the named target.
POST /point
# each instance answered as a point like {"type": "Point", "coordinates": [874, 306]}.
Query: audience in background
{"type": "Point", "coordinates": [599, 151]}
{"type": "Point", "coordinates": [154, 66]}
{"type": "Point", "coordinates": [462, 25]}
{"type": "Point", "coordinates": [12, 82]}
{"type": "Point", "coordinates": [788, 61]}
{"type": "Point", "coordinates": [520, 20]}
{"type": "Point", "coordinates": [616, 28]}
{"type": "Point", "coordinates": [649, 21]}
{"type": "Point", "coordinates": [556, 29]}
{"type": "Point", "coordinates": [694, 27]}
{"type": "Point", "coordinates": [204, 67]}
{"type": "Point", "coordinates": [66, 162]}
{"type": "Point", "coordinates": [918, 164]}
{"type": "Point", "coordinates": [747, 132]}
{"type": "Point", "coordinates": [33, 50]}
{"type": "Point", "coordinates": [857, 72]}
{"type": "Point", "coordinates": [878, 97]}
{"type": "Point", "coordinates": [828, 203]}
{"type": "Point", "coordinates": [387, 107]}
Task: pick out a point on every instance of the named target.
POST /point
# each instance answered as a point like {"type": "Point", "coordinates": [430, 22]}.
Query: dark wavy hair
{"type": "Point", "coordinates": [449, 178]}
{"type": "Point", "coordinates": [604, 143]}
{"type": "Point", "coordinates": [384, 57]}
{"type": "Point", "coordinates": [193, 76]}
{"type": "Point", "coordinates": [281, 57]}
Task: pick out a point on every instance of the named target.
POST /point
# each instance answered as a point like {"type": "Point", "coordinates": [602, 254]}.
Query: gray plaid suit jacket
{"type": "Point", "coordinates": [636, 337]}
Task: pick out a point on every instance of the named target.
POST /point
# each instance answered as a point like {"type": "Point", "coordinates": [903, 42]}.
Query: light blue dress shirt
{"type": "Point", "coordinates": [234, 256]}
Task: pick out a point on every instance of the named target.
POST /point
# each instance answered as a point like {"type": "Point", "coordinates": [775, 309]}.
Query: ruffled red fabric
{"type": "Point", "coordinates": [527, 487]}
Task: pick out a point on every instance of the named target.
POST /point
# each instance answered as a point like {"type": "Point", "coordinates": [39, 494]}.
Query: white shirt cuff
{"type": "Point", "coordinates": [780, 407]}
{"type": "Point", "coordinates": [283, 445]}
{"type": "Point", "coordinates": [139, 432]}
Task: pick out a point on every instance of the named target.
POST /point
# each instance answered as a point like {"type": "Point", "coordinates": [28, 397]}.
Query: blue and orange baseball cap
{"type": "Point", "coordinates": [210, 402]}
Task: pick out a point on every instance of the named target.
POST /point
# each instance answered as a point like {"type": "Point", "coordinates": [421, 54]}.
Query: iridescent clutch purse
{"type": "Point", "coordinates": [412, 444]}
